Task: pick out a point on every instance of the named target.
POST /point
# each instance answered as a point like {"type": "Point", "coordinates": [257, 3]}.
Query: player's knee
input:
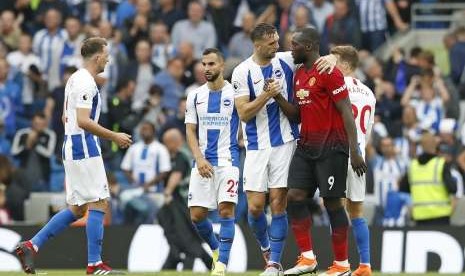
{"type": "Point", "coordinates": [333, 203]}
{"type": "Point", "coordinates": [79, 211]}
{"type": "Point", "coordinates": [278, 204]}
{"type": "Point", "coordinates": [197, 215]}
{"type": "Point", "coordinates": [355, 209]}
{"type": "Point", "coordinates": [295, 195]}
{"type": "Point", "coordinates": [226, 210]}
{"type": "Point", "coordinates": [256, 209]}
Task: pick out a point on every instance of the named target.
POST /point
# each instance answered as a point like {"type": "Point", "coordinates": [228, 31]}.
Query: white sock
{"type": "Point", "coordinates": [308, 254]}
{"type": "Point", "coordinates": [344, 263]}
{"type": "Point", "coordinates": [36, 249]}
{"type": "Point", "coordinates": [264, 249]}
{"type": "Point", "coordinates": [365, 264]}
{"type": "Point", "coordinates": [94, 264]}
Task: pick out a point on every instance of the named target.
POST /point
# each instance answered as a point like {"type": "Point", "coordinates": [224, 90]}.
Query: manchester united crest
{"type": "Point", "coordinates": [311, 81]}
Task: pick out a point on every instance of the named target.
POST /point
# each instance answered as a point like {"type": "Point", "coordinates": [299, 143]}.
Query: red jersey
{"type": "Point", "coordinates": [322, 127]}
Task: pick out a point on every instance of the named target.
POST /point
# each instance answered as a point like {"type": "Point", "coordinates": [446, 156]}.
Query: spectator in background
{"type": "Point", "coordinates": [200, 33]}
{"type": "Point", "coordinates": [152, 111]}
{"type": "Point", "coordinates": [33, 147]}
{"type": "Point", "coordinates": [240, 45]}
{"type": "Point", "coordinates": [10, 100]}
{"type": "Point", "coordinates": [170, 81]}
{"type": "Point", "coordinates": [388, 169]}
{"type": "Point", "coordinates": [48, 44]}
{"type": "Point", "coordinates": [116, 207]}
{"type": "Point", "coordinates": [341, 28]}
{"type": "Point", "coordinates": [301, 19]}
{"type": "Point", "coordinates": [27, 68]}
{"type": "Point", "coordinates": [199, 77]}
{"type": "Point", "coordinates": [401, 69]}
{"type": "Point", "coordinates": [457, 60]}
{"type": "Point", "coordinates": [71, 55]}
{"type": "Point", "coordinates": [53, 110]}
{"type": "Point", "coordinates": [147, 163]}
{"type": "Point", "coordinates": [5, 145]}
{"type": "Point", "coordinates": [431, 185]}
{"type": "Point", "coordinates": [177, 120]}
{"type": "Point", "coordinates": [9, 29]}
{"type": "Point", "coordinates": [162, 48]}
{"type": "Point", "coordinates": [221, 14]}
{"type": "Point", "coordinates": [93, 17]}
{"type": "Point", "coordinates": [406, 143]}
{"type": "Point", "coordinates": [168, 13]}
{"type": "Point", "coordinates": [138, 27]}
{"type": "Point", "coordinates": [429, 102]}
{"type": "Point", "coordinates": [373, 21]}
{"type": "Point", "coordinates": [320, 10]}
{"type": "Point", "coordinates": [185, 51]}
{"type": "Point", "coordinates": [5, 218]}
{"type": "Point", "coordinates": [141, 71]}
{"type": "Point", "coordinates": [125, 10]}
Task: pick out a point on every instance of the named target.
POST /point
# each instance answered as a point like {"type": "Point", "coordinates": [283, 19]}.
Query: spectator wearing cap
{"type": "Point", "coordinates": [195, 30]}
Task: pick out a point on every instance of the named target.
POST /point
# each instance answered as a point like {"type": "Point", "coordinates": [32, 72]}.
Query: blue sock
{"type": "Point", "coordinates": [362, 236]}
{"type": "Point", "coordinates": [278, 234]}
{"type": "Point", "coordinates": [226, 239]}
{"type": "Point", "coordinates": [55, 225]}
{"type": "Point", "coordinates": [205, 230]}
{"type": "Point", "coordinates": [94, 231]}
{"type": "Point", "coordinates": [259, 226]}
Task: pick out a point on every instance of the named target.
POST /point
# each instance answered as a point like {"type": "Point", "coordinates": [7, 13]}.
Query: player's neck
{"type": "Point", "coordinates": [91, 68]}
{"type": "Point", "coordinates": [311, 60]}
{"type": "Point", "coordinates": [260, 61]}
{"type": "Point", "coordinates": [217, 84]}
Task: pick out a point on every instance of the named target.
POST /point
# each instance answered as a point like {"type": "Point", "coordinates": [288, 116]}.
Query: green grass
{"type": "Point", "coordinates": [70, 272]}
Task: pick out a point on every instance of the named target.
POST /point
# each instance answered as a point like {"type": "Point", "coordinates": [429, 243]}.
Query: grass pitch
{"type": "Point", "coordinates": [70, 272]}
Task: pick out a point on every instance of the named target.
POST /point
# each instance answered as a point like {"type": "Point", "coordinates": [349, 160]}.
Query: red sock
{"type": "Point", "coordinates": [301, 229]}
{"type": "Point", "coordinates": [339, 239]}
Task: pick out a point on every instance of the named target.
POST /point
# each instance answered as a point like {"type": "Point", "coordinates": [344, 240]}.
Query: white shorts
{"type": "Point", "coordinates": [355, 185]}
{"type": "Point", "coordinates": [209, 192]}
{"type": "Point", "coordinates": [267, 168]}
{"type": "Point", "coordinates": [86, 181]}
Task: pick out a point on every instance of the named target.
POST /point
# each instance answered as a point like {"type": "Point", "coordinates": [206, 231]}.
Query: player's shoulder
{"type": "Point", "coordinates": [244, 66]}
{"type": "Point", "coordinates": [286, 56]}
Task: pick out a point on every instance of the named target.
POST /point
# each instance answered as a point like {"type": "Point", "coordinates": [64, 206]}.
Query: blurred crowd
{"type": "Point", "coordinates": [155, 46]}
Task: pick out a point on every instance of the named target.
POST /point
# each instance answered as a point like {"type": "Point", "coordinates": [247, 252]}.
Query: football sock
{"type": "Point", "coordinates": [301, 224]}
{"type": "Point", "coordinates": [226, 239]}
{"type": "Point", "coordinates": [205, 230]}
{"type": "Point", "coordinates": [259, 226]}
{"type": "Point", "coordinates": [339, 233]}
{"type": "Point", "coordinates": [362, 236]}
{"type": "Point", "coordinates": [54, 226]}
{"type": "Point", "coordinates": [278, 233]}
{"type": "Point", "coordinates": [94, 231]}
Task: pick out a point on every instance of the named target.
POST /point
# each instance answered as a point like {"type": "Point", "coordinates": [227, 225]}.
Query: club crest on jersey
{"type": "Point", "coordinates": [84, 97]}
{"type": "Point", "coordinates": [302, 94]}
{"type": "Point", "coordinates": [311, 81]}
{"type": "Point", "coordinates": [227, 102]}
{"type": "Point", "coordinates": [278, 73]}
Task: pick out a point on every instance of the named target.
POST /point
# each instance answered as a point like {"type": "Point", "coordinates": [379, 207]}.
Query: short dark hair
{"type": "Point", "coordinates": [309, 35]}
{"type": "Point", "coordinates": [39, 114]}
{"type": "Point", "coordinates": [347, 54]}
{"type": "Point", "coordinates": [415, 51]}
{"type": "Point", "coordinates": [92, 46]}
{"type": "Point", "coordinates": [262, 30]}
{"type": "Point", "coordinates": [215, 51]}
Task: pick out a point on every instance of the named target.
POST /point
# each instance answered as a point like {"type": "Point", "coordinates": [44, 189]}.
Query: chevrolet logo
{"type": "Point", "coordinates": [302, 94]}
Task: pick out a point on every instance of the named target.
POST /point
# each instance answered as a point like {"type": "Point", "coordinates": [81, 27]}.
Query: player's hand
{"type": "Point", "coordinates": [358, 164]}
{"type": "Point", "coordinates": [204, 167]}
{"type": "Point", "coordinates": [123, 140]}
{"type": "Point", "coordinates": [273, 89]}
{"type": "Point", "coordinates": [326, 64]}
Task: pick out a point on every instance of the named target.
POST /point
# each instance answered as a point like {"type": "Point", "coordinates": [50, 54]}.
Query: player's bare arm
{"type": "Point", "coordinates": [356, 160]}
{"type": "Point", "coordinates": [249, 109]}
{"type": "Point", "coordinates": [83, 119]}
{"type": "Point", "coordinates": [291, 111]}
{"type": "Point", "coordinates": [203, 166]}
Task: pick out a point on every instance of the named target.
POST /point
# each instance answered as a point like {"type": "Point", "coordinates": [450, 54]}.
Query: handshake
{"type": "Point", "coordinates": [272, 88]}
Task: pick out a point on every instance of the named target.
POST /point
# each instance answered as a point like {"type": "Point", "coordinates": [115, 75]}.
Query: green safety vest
{"type": "Point", "coordinates": [430, 198]}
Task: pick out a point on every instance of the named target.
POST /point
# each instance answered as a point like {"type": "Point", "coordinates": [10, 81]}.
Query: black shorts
{"type": "Point", "coordinates": [328, 173]}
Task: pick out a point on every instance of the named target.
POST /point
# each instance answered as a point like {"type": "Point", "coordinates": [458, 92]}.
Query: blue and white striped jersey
{"type": "Point", "coordinates": [217, 124]}
{"type": "Point", "coordinates": [270, 127]}
{"type": "Point", "coordinates": [80, 92]}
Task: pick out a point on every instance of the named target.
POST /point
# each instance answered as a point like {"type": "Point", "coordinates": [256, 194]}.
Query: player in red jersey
{"type": "Point", "coordinates": [327, 135]}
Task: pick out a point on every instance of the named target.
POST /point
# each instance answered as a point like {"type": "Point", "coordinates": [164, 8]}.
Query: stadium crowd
{"type": "Point", "coordinates": [155, 48]}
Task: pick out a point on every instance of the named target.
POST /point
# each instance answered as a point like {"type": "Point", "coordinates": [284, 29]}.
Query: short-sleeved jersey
{"type": "Point", "coordinates": [80, 92]}
{"type": "Point", "coordinates": [146, 161]}
{"type": "Point", "coordinates": [322, 128]}
{"type": "Point", "coordinates": [270, 127]}
{"type": "Point", "coordinates": [217, 123]}
{"type": "Point", "coordinates": [363, 107]}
